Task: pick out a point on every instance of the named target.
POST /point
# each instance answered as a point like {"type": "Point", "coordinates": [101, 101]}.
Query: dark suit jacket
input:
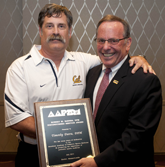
{"type": "Point", "coordinates": [127, 117]}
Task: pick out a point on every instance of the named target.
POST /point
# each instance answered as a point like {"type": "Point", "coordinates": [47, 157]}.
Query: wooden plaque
{"type": "Point", "coordinates": [65, 132]}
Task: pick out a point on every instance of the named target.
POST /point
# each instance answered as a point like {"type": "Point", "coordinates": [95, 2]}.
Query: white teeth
{"type": "Point", "coordinates": [108, 55]}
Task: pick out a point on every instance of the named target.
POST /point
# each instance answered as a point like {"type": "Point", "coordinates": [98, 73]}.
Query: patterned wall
{"type": "Point", "coordinates": [11, 42]}
{"type": "Point", "coordinates": [19, 31]}
{"type": "Point", "coordinates": [146, 19]}
{"type": "Point", "coordinates": [159, 140]}
{"type": "Point", "coordinates": [11, 39]}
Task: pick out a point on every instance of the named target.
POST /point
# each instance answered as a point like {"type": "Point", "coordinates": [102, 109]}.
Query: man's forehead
{"type": "Point", "coordinates": [111, 23]}
{"type": "Point", "coordinates": [57, 15]}
{"type": "Point", "coordinates": [61, 17]}
{"type": "Point", "coordinates": [111, 26]}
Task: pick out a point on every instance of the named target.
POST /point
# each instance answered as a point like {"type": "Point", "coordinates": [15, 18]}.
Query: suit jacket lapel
{"type": "Point", "coordinates": [113, 86]}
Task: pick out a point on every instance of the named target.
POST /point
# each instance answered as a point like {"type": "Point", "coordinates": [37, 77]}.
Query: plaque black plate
{"type": "Point", "coordinates": [65, 132]}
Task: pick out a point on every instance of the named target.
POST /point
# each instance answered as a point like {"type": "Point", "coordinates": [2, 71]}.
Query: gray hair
{"type": "Point", "coordinates": [112, 18]}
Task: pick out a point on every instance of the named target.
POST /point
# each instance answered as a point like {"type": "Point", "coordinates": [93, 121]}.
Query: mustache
{"type": "Point", "coordinates": [56, 37]}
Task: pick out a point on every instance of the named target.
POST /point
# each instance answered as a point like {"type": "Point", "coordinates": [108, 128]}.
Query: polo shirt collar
{"type": "Point", "coordinates": [35, 54]}
{"type": "Point", "coordinates": [38, 58]}
{"type": "Point", "coordinates": [68, 56]}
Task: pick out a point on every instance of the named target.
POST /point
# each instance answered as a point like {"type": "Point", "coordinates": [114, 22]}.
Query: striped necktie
{"type": "Point", "coordinates": [103, 86]}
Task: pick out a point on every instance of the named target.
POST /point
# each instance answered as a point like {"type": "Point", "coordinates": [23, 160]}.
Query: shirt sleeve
{"type": "Point", "coordinates": [15, 95]}
{"type": "Point", "coordinates": [90, 60]}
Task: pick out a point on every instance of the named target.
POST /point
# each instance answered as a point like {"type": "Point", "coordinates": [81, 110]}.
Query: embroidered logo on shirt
{"type": "Point", "coordinates": [76, 80]}
{"type": "Point", "coordinates": [42, 85]}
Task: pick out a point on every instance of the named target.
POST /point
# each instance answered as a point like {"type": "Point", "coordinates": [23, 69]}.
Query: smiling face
{"type": "Point", "coordinates": [55, 34]}
{"type": "Point", "coordinates": [109, 54]}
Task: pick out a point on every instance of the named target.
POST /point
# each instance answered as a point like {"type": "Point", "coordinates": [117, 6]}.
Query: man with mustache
{"type": "Point", "coordinates": [47, 73]}
{"type": "Point", "coordinates": [56, 37]}
{"type": "Point", "coordinates": [126, 107]}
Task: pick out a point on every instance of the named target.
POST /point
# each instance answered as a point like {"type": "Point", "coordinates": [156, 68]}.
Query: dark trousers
{"type": "Point", "coordinates": [27, 155]}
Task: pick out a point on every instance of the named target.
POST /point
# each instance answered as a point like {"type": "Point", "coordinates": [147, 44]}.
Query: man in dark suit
{"type": "Point", "coordinates": [128, 114]}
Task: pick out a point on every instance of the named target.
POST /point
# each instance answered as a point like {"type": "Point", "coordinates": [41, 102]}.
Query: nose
{"type": "Point", "coordinates": [55, 30]}
{"type": "Point", "coordinates": [106, 45]}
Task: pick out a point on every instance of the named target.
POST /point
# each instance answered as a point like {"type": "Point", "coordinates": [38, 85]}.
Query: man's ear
{"type": "Point", "coordinates": [128, 43]}
{"type": "Point", "coordinates": [70, 32]}
{"type": "Point", "coordinates": [40, 31]}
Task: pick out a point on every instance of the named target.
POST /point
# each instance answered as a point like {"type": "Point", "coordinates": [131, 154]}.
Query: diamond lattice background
{"type": "Point", "coordinates": [19, 31]}
{"type": "Point", "coordinates": [146, 19]}
{"type": "Point", "coordinates": [11, 42]}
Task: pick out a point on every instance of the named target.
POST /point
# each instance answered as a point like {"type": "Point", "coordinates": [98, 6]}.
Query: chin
{"type": "Point", "coordinates": [108, 64]}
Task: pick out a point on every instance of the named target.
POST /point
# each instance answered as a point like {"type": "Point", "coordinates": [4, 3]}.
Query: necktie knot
{"type": "Point", "coordinates": [108, 70]}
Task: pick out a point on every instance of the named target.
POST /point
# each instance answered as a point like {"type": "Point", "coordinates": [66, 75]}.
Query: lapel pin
{"type": "Point", "coordinates": [115, 82]}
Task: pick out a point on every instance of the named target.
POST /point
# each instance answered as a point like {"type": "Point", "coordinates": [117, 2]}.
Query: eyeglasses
{"type": "Point", "coordinates": [112, 41]}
